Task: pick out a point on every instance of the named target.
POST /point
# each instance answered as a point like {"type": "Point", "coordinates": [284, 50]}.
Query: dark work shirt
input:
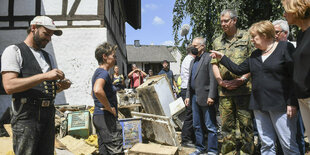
{"type": "Point", "coordinates": [302, 65]}
{"type": "Point", "coordinates": [194, 70]}
{"type": "Point", "coordinates": [272, 80]}
{"type": "Point", "coordinates": [169, 74]}
{"type": "Point", "coordinates": [108, 88]}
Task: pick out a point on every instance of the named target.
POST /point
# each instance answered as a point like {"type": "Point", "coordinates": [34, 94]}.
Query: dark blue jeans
{"type": "Point", "coordinates": [204, 117]}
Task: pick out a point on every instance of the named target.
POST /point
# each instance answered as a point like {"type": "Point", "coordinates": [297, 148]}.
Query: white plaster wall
{"type": "Point", "coordinates": [9, 37]}
{"type": "Point", "coordinates": [21, 9]}
{"type": "Point", "coordinates": [4, 8]}
{"type": "Point", "coordinates": [175, 66]}
{"type": "Point", "coordinates": [54, 7]}
{"type": "Point", "coordinates": [75, 55]}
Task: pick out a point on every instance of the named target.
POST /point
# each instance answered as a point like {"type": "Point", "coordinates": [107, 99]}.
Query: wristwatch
{"type": "Point", "coordinates": [244, 79]}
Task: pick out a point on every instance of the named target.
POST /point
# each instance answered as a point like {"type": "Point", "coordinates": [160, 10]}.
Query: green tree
{"type": "Point", "coordinates": [204, 16]}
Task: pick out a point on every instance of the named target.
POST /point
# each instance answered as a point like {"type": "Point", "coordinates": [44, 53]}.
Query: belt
{"type": "Point", "coordinates": [39, 101]}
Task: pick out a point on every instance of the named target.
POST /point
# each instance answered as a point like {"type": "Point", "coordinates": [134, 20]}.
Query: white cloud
{"type": "Point", "coordinates": [151, 6]}
{"type": "Point", "coordinates": [158, 21]}
{"type": "Point", "coordinates": [168, 43]}
{"type": "Point", "coordinates": [142, 10]}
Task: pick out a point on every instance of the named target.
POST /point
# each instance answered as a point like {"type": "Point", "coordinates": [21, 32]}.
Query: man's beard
{"type": "Point", "coordinates": [39, 42]}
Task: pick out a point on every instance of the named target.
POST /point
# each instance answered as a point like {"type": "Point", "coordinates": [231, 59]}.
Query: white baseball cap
{"type": "Point", "coordinates": [47, 22]}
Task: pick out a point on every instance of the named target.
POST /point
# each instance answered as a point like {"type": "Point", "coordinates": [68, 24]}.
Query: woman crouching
{"type": "Point", "coordinates": [108, 128]}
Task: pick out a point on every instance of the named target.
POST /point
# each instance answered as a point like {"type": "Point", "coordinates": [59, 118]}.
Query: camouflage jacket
{"type": "Point", "coordinates": [237, 49]}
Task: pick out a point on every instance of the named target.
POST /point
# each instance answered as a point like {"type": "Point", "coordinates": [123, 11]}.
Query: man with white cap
{"type": "Point", "coordinates": [30, 75]}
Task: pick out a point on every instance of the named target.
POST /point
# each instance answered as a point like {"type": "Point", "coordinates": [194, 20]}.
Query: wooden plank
{"type": "Point", "coordinates": [38, 8]}
{"type": "Point", "coordinates": [130, 106]}
{"type": "Point", "coordinates": [152, 148]}
{"type": "Point", "coordinates": [75, 17]}
{"type": "Point", "coordinates": [100, 8]}
{"type": "Point", "coordinates": [77, 146]}
{"type": "Point", "coordinates": [73, 26]}
{"type": "Point", "coordinates": [64, 7]}
{"type": "Point", "coordinates": [74, 7]}
{"type": "Point", "coordinates": [8, 129]}
{"type": "Point", "coordinates": [100, 11]}
{"type": "Point", "coordinates": [11, 13]}
{"type": "Point", "coordinates": [6, 146]}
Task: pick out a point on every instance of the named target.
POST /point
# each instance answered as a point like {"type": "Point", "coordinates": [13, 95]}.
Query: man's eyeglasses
{"type": "Point", "coordinates": [225, 20]}
{"type": "Point", "coordinates": [278, 32]}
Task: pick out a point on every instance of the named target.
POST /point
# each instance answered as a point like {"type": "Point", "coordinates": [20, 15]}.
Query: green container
{"type": "Point", "coordinates": [79, 124]}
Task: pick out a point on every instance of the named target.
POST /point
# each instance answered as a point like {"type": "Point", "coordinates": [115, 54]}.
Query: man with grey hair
{"type": "Point", "coordinates": [234, 91]}
{"type": "Point", "coordinates": [201, 94]}
{"type": "Point", "coordinates": [282, 30]}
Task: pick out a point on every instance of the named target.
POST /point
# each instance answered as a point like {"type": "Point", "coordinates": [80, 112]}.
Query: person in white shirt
{"type": "Point", "coordinates": [188, 136]}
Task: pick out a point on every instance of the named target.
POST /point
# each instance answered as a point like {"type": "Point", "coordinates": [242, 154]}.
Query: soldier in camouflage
{"type": "Point", "coordinates": [234, 91]}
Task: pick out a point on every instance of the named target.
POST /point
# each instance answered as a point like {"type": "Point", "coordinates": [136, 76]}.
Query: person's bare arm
{"type": "Point", "coordinates": [217, 74]}
{"type": "Point", "coordinates": [130, 74]}
{"type": "Point", "coordinates": [123, 81]}
{"type": "Point", "coordinates": [143, 73]}
{"type": "Point", "coordinates": [13, 84]}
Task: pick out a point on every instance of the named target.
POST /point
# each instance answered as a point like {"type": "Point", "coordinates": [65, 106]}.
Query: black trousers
{"type": "Point", "coordinates": [109, 132]}
{"type": "Point", "coordinates": [188, 134]}
{"type": "Point", "coordinates": [33, 129]}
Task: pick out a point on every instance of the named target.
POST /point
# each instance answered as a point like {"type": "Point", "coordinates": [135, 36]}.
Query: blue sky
{"type": "Point", "coordinates": [156, 24]}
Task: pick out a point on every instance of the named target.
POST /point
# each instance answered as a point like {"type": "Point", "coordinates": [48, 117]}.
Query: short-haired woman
{"type": "Point", "coordinates": [272, 99]}
{"type": "Point", "coordinates": [297, 12]}
{"type": "Point", "coordinates": [108, 128]}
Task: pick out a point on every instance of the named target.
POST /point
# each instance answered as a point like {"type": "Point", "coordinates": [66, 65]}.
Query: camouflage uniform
{"type": "Point", "coordinates": [237, 125]}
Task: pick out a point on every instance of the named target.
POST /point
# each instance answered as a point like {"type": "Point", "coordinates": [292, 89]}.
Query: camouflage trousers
{"type": "Point", "coordinates": [237, 125]}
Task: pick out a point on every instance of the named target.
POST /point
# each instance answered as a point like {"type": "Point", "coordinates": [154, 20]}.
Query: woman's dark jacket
{"type": "Point", "coordinates": [272, 80]}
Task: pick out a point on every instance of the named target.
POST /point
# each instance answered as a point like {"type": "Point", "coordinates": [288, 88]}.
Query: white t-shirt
{"type": "Point", "coordinates": [185, 70]}
{"type": "Point", "coordinates": [264, 57]}
{"type": "Point", "coordinates": [11, 59]}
